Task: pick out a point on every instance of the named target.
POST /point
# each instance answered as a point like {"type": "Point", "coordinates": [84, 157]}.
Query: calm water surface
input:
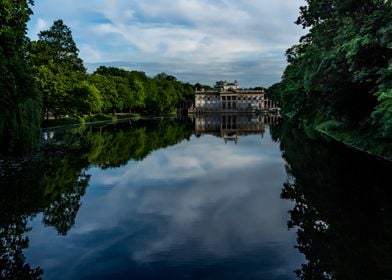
{"type": "Point", "coordinates": [209, 198]}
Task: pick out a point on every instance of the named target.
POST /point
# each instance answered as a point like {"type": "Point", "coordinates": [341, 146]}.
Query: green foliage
{"type": "Point", "coordinates": [68, 91]}
{"type": "Point", "coordinates": [382, 116]}
{"type": "Point", "coordinates": [107, 89]}
{"type": "Point", "coordinates": [59, 72]}
{"type": "Point", "coordinates": [126, 91]}
{"type": "Point", "coordinates": [56, 47]}
{"type": "Point", "coordinates": [86, 99]}
{"type": "Point", "coordinates": [100, 118]}
{"type": "Point", "coordinates": [20, 108]}
{"type": "Point", "coordinates": [331, 125]}
{"type": "Point", "coordinates": [341, 68]}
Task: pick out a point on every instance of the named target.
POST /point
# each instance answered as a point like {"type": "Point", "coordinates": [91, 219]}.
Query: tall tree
{"type": "Point", "coordinates": [58, 68]}
{"type": "Point", "coordinates": [19, 100]}
{"type": "Point", "coordinates": [56, 46]}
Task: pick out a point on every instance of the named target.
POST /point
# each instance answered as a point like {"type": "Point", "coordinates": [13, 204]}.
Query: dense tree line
{"type": "Point", "coordinates": [340, 74]}
{"type": "Point", "coordinates": [47, 78]}
{"type": "Point", "coordinates": [68, 90]}
{"type": "Point", "coordinates": [125, 91]}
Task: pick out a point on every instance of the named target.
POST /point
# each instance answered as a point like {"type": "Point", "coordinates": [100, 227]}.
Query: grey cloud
{"type": "Point", "coordinates": [198, 41]}
{"type": "Point", "coordinates": [262, 71]}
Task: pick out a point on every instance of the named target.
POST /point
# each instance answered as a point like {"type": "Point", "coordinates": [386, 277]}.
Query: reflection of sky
{"type": "Point", "coordinates": [200, 208]}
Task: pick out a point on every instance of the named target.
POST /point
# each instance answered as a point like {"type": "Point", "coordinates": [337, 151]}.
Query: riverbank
{"type": "Point", "coordinates": [96, 119]}
{"type": "Point", "coordinates": [70, 121]}
{"type": "Point", "coordinates": [13, 163]}
{"type": "Point", "coordinates": [336, 131]}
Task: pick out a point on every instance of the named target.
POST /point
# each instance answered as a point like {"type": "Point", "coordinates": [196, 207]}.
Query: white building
{"type": "Point", "coordinates": [229, 97]}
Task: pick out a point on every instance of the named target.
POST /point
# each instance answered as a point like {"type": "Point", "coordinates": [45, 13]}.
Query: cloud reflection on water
{"type": "Point", "coordinates": [197, 200]}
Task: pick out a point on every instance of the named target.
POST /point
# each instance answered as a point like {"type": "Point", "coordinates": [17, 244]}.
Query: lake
{"type": "Point", "coordinates": [209, 197]}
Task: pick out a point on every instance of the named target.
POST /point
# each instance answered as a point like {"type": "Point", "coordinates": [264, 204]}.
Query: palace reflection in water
{"type": "Point", "coordinates": [233, 126]}
{"type": "Point", "coordinates": [166, 199]}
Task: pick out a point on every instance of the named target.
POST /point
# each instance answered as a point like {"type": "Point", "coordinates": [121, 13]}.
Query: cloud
{"type": "Point", "coordinates": [188, 31]}
{"type": "Point", "coordinates": [259, 71]}
{"type": "Point", "coordinates": [40, 25]}
{"type": "Point", "coordinates": [89, 53]}
{"type": "Point", "coordinates": [197, 202]}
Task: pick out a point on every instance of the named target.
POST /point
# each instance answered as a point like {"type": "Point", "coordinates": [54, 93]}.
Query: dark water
{"type": "Point", "coordinates": [218, 197]}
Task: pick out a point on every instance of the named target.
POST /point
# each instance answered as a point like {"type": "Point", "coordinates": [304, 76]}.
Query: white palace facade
{"type": "Point", "coordinates": [229, 97]}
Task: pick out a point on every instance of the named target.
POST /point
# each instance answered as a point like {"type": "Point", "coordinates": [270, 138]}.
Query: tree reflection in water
{"type": "Point", "coordinates": [54, 183]}
{"type": "Point", "coordinates": [342, 210]}
{"type": "Point", "coordinates": [12, 260]}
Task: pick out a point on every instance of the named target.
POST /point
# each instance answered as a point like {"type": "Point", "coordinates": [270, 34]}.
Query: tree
{"type": "Point", "coordinates": [167, 95]}
{"type": "Point", "coordinates": [130, 86]}
{"type": "Point", "coordinates": [19, 100]}
{"type": "Point", "coordinates": [86, 99]}
{"type": "Point", "coordinates": [108, 92]}
{"type": "Point", "coordinates": [58, 68]}
{"type": "Point", "coordinates": [340, 70]}
{"type": "Point", "coordinates": [56, 46]}
{"type": "Point", "coordinates": [124, 90]}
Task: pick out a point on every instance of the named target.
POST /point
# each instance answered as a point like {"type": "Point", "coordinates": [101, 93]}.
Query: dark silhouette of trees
{"type": "Point", "coordinates": [342, 211]}
{"type": "Point", "coordinates": [20, 109]}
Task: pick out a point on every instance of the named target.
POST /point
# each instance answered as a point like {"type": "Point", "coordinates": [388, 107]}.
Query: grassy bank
{"type": "Point", "coordinates": [69, 121]}
{"type": "Point", "coordinates": [355, 139]}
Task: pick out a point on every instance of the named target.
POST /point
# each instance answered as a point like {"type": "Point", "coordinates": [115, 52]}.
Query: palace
{"type": "Point", "coordinates": [229, 97]}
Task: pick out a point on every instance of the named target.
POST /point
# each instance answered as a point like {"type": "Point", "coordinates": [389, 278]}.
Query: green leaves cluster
{"type": "Point", "coordinates": [341, 70]}
{"type": "Point", "coordinates": [124, 91]}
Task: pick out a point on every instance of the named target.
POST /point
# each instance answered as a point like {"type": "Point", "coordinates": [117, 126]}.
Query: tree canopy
{"type": "Point", "coordinates": [342, 69]}
{"type": "Point", "coordinates": [58, 69]}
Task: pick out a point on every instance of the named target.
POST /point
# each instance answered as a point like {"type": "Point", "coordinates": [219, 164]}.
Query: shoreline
{"type": "Point", "coordinates": [133, 117]}
{"type": "Point", "coordinates": [330, 136]}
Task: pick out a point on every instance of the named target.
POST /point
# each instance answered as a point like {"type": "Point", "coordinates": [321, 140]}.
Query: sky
{"type": "Point", "coordinates": [194, 40]}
